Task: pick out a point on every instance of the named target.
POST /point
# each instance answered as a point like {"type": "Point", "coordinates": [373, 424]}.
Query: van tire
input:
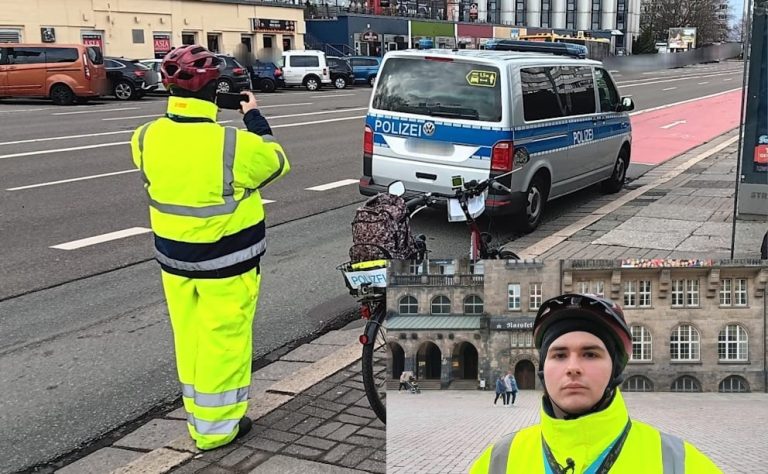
{"type": "Point", "coordinates": [312, 83]}
{"type": "Point", "coordinates": [618, 175]}
{"type": "Point", "coordinates": [61, 94]}
{"type": "Point", "coordinates": [535, 201]}
{"type": "Point", "coordinates": [123, 90]}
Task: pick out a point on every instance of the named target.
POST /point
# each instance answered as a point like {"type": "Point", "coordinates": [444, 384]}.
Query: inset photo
{"type": "Point", "coordinates": [576, 365]}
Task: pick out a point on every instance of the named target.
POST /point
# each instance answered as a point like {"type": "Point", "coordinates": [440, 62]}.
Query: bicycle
{"type": "Point", "coordinates": [368, 280]}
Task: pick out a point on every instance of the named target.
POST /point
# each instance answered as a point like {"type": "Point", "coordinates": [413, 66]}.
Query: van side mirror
{"type": "Point", "coordinates": [627, 104]}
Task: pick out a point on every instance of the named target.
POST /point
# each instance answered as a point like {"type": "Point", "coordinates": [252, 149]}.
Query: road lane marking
{"type": "Point", "coordinates": [728, 79]}
{"type": "Point", "coordinates": [61, 150]}
{"type": "Point", "coordinates": [316, 113]}
{"type": "Point", "coordinates": [96, 111]}
{"type": "Point", "coordinates": [162, 115]}
{"type": "Point", "coordinates": [675, 79]}
{"type": "Point", "coordinates": [697, 75]}
{"type": "Point", "coordinates": [131, 117]}
{"type": "Point", "coordinates": [288, 125]}
{"type": "Point", "coordinates": [266, 201]}
{"type": "Point", "coordinates": [702, 83]}
{"type": "Point", "coordinates": [669, 89]}
{"type": "Point", "coordinates": [72, 180]}
{"type": "Point", "coordinates": [120, 234]}
{"type": "Point", "coordinates": [673, 124]}
{"type": "Point", "coordinates": [68, 137]}
{"type": "Point", "coordinates": [337, 184]}
{"type": "Point", "coordinates": [333, 95]}
{"type": "Point", "coordinates": [25, 110]}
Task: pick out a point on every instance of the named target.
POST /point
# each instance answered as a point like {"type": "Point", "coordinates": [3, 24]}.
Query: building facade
{"type": "Point", "coordinates": [696, 325]}
{"type": "Point", "coordinates": [150, 28]}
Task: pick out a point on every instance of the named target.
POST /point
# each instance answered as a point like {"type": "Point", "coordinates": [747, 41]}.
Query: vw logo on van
{"type": "Point", "coordinates": [429, 128]}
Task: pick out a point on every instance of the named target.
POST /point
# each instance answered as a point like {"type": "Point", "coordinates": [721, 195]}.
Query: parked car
{"type": "Point", "coordinates": [129, 79]}
{"type": "Point", "coordinates": [366, 68]}
{"type": "Point", "coordinates": [306, 68]}
{"type": "Point", "coordinates": [234, 77]}
{"type": "Point", "coordinates": [154, 65]}
{"type": "Point", "coordinates": [266, 76]}
{"type": "Point", "coordinates": [341, 72]}
{"type": "Point", "coordinates": [65, 73]}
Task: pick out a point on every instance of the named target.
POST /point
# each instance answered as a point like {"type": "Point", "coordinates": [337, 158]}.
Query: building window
{"type": "Point", "coordinates": [247, 42]}
{"type": "Point", "coordinates": [535, 297]}
{"type": "Point", "coordinates": [188, 38]}
{"type": "Point", "coordinates": [415, 268]}
{"type": "Point", "coordinates": [513, 297]}
{"type": "Point", "coordinates": [522, 339]}
{"type": "Point", "coordinates": [408, 305]}
{"type": "Point", "coordinates": [641, 343]}
{"type": "Point", "coordinates": [686, 384]}
{"type": "Point", "coordinates": [685, 293]}
{"type": "Point", "coordinates": [446, 268]}
{"type": "Point", "coordinates": [733, 384]}
{"type": "Point", "coordinates": [732, 343]}
{"type": "Point", "coordinates": [594, 287]}
{"type": "Point", "coordinates": [644, 295]}
{"type": "Point", "coordinates": [570, 11]}
{"type": "Point", "coordinates": [740, 292]}
{"type": "Point", "coordinates": [138, 36]}
{"type": "Point", "coordinates": [637, 383]}
{"type": "Point", "coordinates": [268, 41]}
{"type": "Point", "coordinates": [441, 305]}
{"type": "Point", "coordinates": [214, 41]}
{"type": "Point", "coordinates": [630, 294]}
{"type": "Point", "coordinates": [725, 292]}
{"type": "Point", "coordinates": [684, 343]}
{"type": "Point", "coordinates": [473, 304]}
{"type": "Point", "coordinates": [477, 268]}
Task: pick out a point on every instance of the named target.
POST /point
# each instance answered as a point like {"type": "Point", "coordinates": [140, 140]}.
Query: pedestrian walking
{"type": "Point", "coordinates": [203, 182]}
{"type": "Point", "coordinates": [509, 388]}
{"type": "Point", "coordinates": [584, 344]}
{"type": "Point", "coordinates": [500, 389]}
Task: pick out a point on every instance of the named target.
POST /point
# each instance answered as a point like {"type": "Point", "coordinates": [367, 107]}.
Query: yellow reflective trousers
{"type": "Point", "coordinates": [212, 322]}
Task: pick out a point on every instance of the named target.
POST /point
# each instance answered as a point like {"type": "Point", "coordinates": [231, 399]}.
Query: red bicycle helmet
{"type": "Point", "coordinates": [590, 308]}
{"type": "Point", "coordinates": [190, 67]}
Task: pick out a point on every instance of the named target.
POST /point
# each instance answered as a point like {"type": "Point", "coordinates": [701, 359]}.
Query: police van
{"type": "Point", "coordinates": [554, 122]}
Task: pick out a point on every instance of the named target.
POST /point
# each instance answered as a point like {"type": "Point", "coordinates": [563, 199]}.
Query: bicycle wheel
{"type": "Point", "coordinates": [375, 356]}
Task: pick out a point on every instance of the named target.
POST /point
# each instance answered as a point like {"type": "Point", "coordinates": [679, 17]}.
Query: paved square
{"type": "Point", "coordinates": [444, 431]}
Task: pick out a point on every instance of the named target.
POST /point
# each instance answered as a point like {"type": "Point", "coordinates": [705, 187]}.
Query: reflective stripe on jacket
{"type": "Point", "coordinates": [646, 450]}
{"type": "Point", "coordinates": [202, 181]}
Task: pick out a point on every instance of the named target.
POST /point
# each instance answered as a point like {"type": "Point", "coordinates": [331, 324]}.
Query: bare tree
{"type": "Point", "coordinates": [705, 15]}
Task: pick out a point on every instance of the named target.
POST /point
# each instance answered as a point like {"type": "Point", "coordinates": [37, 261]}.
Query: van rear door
{"type": "Point", "coordinates": [433, 118]}
{"type": "Point", "coordinates": [3, 71]}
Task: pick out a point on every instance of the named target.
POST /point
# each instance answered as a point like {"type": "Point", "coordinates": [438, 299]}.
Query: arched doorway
{"type": "Point", "coordinates": [428, 361]}
{"type": "Point", "coordinates": [464, 362]}
{"type": "Point", "coordinates": [398, 360]}
{"type": "Point", "coordinates": [525, 374]}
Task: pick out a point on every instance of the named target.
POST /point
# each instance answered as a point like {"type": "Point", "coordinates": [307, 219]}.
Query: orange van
{"type": "Point", "coordinates": [65, 73]}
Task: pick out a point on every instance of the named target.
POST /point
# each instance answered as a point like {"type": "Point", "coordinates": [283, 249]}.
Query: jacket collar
{"type": "Point", "coordinates": [594, 431]}
{"type": "Point", "coordinates": [192, 108]}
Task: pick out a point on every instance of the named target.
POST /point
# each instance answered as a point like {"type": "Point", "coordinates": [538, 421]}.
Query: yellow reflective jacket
{"type": "Point", "coordinates": [202, 180]}
{"type": "Point", "coordinates": [646, 450]}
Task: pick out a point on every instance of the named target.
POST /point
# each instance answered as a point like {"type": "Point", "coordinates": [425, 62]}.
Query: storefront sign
{"type": "Point", "coordinates": [500, 323]}
{"type": "Point", "coordinates": [93, 40]}
{"type": "Point", "coordinates": [48, 35]}
{"type": "Point", "coordinates": [162, 44]}
{"type": "Point", "coordinates": [261, 24]}
{"type": "Point", "coordinates": [370, 36]}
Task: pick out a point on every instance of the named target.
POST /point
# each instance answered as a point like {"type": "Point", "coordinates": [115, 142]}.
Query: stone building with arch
{"type": "Point", "coordinates": [697, 325]}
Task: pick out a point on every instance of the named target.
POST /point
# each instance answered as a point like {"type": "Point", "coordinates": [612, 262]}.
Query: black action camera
{"type": "Point", "coordinates": [227, 100]}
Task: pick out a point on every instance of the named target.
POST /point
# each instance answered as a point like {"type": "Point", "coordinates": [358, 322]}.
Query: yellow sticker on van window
{"type": "Point", "coordinates": [481, 78]}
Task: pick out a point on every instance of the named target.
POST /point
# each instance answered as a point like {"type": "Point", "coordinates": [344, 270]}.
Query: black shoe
{"type": "Point", "coordinates": [244, 426]}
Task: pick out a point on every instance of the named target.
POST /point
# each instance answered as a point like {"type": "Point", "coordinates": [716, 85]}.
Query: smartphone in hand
{"type": "Point", "coordinates": [230, 101]}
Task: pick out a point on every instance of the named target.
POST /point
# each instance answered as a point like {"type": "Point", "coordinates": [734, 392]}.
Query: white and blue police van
{"type": "Point", "coordinates": [553, 121]}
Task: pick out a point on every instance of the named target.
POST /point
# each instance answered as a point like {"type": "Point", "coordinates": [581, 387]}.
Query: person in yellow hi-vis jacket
{"type": "Point", "coordinates": [584, 344]}
{"type": "Point", "coordinates": [203, 182]}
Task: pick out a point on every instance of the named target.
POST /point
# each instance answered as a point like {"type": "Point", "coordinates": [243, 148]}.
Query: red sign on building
{"type": "Point", "coordinates": [761, 154]}
{"type": "Point", "coordinates": [93, 40]}
{"type": "Point", "coordinates": [162, 44]}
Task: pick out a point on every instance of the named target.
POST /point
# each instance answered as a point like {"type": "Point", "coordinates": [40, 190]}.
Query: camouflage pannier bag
{"type": "Point", "coordinates": [380, 230]}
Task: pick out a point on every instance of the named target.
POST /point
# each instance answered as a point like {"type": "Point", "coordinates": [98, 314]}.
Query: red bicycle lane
{"type": "Point", "coordinates": [660, 135]}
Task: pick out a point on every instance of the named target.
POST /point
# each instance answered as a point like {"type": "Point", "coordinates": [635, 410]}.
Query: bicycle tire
{"type": "Point", "coordinates": [375, 389]}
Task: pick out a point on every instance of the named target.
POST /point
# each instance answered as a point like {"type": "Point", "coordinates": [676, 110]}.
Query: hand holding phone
{"type": "Point", "coordinates": [230, 101]}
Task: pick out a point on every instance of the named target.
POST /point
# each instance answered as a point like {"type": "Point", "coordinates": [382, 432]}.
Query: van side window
{"type": "Point", "coordinates": [27, 56]}
{"type": "Point", "coordinates": [577, 82]}
{"type": "Point", "coordinates": [61, 55]}
{"type": "Point", "coordinates": [305, 61]}
{"type": "Point", "coordinates": [539, 90]}
{"type": "Point", "coordinates": [609, 96]}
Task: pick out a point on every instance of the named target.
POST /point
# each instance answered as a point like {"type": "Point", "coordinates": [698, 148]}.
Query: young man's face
{"type": "Point", "coordinates": [576, 371]}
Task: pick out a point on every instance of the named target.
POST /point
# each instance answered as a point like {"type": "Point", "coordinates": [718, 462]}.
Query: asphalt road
{"type": "Point", "coordinates": [84, 341]}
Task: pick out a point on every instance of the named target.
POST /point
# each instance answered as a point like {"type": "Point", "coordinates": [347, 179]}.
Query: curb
{"type": "Point", "coordinates": [181, 449]}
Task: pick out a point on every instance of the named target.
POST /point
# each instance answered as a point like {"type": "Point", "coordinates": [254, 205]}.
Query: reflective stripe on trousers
{"type": "Point", "coordinates": [230, 397]}
{"type": "Point", "coordinates": [672, 454]}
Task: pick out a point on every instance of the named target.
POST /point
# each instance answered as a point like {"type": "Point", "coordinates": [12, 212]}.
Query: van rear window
{"type": "Point", "coordinates": [95, 55]}
{"type": "Point", "coordinates": [61, 55]}
{"type": "Point", "coordinates": [440, 88]}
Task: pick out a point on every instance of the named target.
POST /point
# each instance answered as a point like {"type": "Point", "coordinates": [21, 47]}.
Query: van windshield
{"type": "Point", "coordinates": [440, 88]}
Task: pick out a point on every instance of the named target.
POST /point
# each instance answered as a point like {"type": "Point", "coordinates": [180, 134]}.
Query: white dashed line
{"type": "Point", "coordinates": [60, 150]}
{"type": "Point", "coordinates": [120, 234]}
{"type": "Point", "coordinates": [337, 184]}
{"type": "Point", "coordinates": [51, 183]}
{"type": "Point", "coordinates": [669, 89]}
{"type": "Point", "coordinates": [702, 83]}
{"type": "Point", "coordinates": [96, 111]}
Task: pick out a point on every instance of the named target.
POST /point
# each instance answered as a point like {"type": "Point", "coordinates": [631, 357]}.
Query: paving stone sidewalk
{"type": "Point", "coordinates": [687, 216]}
{"type": "Point", "coordinates": [326, 428]}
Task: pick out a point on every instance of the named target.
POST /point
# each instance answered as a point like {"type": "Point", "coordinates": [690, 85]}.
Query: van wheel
{"type": "Point", "coordinates": [123, 90]}
{"type": "Point", "coordinates": [340, 82]}
{"type": "Point", "coordinates": [62, 95]}
{"type": "Point", "coordinates": [535, 201]}
{"type": "Point", "coordinates": [312, 83]}
{"type": "Point", "coordinates": [371, 80]}
{"type": "Point", "coordinates": [267, 86]}
{"type": "Point", "coordinates": [619, 175]}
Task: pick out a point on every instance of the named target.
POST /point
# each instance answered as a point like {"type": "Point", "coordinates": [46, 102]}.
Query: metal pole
{"type": "Point", "coordinates": [746, 52]}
